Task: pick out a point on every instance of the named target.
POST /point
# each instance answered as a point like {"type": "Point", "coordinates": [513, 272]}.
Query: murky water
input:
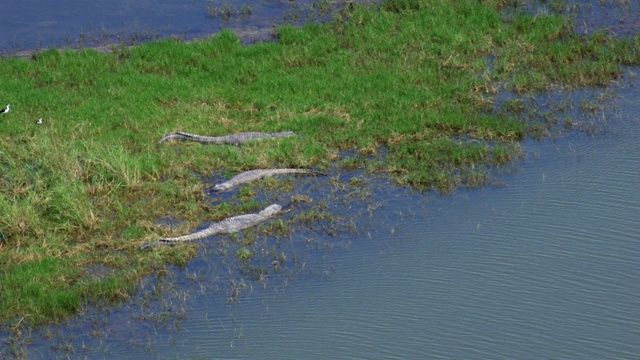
{"type": "Point", "coordinates": [544, 267]}
{"type": "Point", "coordinates": [37, 24]}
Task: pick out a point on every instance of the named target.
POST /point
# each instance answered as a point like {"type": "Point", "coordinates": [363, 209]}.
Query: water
{"type": "Point", "coordinates": [544, 267]}
{"type": "Point", "coordinates": [37, 24]}
{"type": "Point", "coordinates": [612, 17]}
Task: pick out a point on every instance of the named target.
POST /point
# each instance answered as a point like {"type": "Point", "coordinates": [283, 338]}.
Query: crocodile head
{"type": "Point", "coordinates": [271, 210]}
{"type": "Point", "coordinates": [220, 188]}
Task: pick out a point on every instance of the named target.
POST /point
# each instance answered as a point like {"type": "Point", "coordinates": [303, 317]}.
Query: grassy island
{"type": "Point", "coordinates": [408, 86]}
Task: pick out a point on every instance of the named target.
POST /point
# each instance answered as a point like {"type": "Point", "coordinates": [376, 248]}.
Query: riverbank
{"type": "Point", "coordinates": [408, 87]}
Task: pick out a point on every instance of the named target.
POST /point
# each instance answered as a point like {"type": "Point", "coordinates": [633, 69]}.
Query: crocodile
{"type": "Point", "coordinates": [253, 175]}
{"type": "Point", "coordinates": [232, 139]}
{"type": "Point", "coordinates": [226, 226]}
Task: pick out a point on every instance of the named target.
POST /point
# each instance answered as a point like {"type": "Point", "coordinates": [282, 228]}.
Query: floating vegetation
{"type": "Point", "coordinates": [244, 253]}
{"type": "Point", "coordinates": [227, 11]}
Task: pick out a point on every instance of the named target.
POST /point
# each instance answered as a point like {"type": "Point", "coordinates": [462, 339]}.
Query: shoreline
{"type": "Point", "coordinates": [248, 37]}
{"type": "Point", "coordinates": [250, 28]}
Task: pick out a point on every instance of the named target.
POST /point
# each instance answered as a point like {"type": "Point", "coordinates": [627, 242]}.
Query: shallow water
{"type": "Point", "coordinates": [544, 267]}
{"type": "Point", "coordinates": [613, 17]}
{"type": "Point", "coordinates": [38, 24]}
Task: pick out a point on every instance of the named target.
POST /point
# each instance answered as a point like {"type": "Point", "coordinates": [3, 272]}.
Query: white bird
{"type": "Point", "coordinates": [6, 110]}
{"type": "Point", "coordinates": [39, 121]}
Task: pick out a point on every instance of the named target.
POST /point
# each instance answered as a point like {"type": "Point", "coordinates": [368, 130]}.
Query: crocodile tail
{"type": "Point", "coordinates": [317, 173]}
{"type": "Point", "coordinates": [282, 134]}
{"type": "Point", "coordinates": [294, 171]}
{"type": "Point", "coordinates": [148, 245]}
{"type": "Point", "coordinates": [175, 135]}
{"type": "Point", "coordinates": [308, 172]}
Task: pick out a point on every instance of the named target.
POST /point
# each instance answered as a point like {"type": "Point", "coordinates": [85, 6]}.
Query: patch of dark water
{"type": "Point", "coordinates": [618, 17]}
{"type": "Point", "coordinates": [33, 25]}
{"type": "Point", "coordinates": [559, 111]}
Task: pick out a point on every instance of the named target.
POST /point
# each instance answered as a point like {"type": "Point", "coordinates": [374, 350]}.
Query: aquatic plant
{"type": "Point", "coordinates": [244, 253]}
{"type": "Point", "coordinates": [227, 10]}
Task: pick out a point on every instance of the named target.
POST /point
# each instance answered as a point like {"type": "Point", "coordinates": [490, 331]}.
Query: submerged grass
{"type": "Point", "coordinates": [411, 79]}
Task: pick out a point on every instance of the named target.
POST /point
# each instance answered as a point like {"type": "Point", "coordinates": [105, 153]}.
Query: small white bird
{"type": "Point", "coordinates": [6, 110]}
{"type": "Point", "coordinates": [39, 121]}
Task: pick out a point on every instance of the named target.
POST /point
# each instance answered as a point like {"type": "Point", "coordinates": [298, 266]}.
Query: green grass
{"type": "Point", "coordinates": [415, 78]}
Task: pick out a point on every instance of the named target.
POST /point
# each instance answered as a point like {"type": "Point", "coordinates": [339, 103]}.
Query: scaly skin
{"type": "Point", "coordinates": [232, 139]}
{"type": "Point", "coordinates": [226, 226]}
{"type": "Point", "coordinates": [253, 175]}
